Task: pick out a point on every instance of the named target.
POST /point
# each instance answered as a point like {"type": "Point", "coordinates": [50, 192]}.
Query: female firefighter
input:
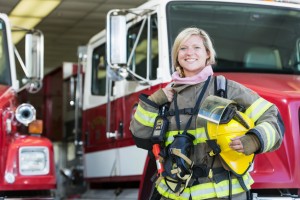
{"type": "Point", "coordinates": [193, 167]}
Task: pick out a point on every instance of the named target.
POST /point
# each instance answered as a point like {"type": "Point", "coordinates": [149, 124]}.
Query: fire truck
{"type": "Point", "coordinates": [257, 44]}
{"type": "Point", "coordinates": [27, 160]}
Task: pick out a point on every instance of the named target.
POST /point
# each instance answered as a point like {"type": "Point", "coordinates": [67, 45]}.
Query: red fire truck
{"type": "Point", "coordinates": [257, 44]}
{"type": "Point", "coordinates": [27, 160]}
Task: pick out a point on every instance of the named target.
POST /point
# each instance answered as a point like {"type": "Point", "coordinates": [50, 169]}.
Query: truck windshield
{"type": "Point", "coordinates": [246, 37]}
{"type": "Point", "coordinates": [5, 77]}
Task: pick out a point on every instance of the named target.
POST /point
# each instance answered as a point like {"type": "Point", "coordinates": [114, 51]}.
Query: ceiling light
{"type": "Point", "coordinates": [34, 8]}
{"type": "Point", "coordinates": [29, 13]}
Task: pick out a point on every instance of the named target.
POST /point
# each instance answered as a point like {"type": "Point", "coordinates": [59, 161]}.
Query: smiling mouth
{"type": "Point", "coordinates": [190, 59]}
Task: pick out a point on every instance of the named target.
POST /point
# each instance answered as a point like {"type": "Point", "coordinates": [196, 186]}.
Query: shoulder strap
{"type": "Point", "coordinates": [221, 86]}
{"type": "Point", "coordinates": [195, 109]}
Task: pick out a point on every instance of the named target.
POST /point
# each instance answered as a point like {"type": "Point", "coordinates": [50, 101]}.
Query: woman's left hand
{"type": "Point", "coordinates": [236, 144]}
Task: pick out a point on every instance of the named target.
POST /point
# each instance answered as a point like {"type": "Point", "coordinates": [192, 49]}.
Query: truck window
{"type": "Point", "coordinates": [144, 63]}
{"type": "Point", "coordinates": [295, 57]}
{"type": "Point", "coordinates": [252, 38]}
{"type": "Point", "coordinates": [98, 71]}
{"type": "Point", "coordinates": [5, 77]}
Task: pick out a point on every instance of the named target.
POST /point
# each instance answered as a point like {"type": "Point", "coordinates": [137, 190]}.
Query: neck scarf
{"type": "Point", "coordinates": [192, 80]}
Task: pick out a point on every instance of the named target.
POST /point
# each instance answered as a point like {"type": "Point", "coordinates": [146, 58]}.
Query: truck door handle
{"type": "Point", "coordinates": [118, 134]}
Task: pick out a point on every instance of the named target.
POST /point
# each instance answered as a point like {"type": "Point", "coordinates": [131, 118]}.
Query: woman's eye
{"type": "Point", "coordinates": [183, 48]}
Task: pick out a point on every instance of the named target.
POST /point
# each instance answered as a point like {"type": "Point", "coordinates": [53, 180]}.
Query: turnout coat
{"type": "Point", "coordinates": [266, 136]}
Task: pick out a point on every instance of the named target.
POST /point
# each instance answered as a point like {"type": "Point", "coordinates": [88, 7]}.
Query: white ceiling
{"type": "Point", "coordinates": [70, 25]}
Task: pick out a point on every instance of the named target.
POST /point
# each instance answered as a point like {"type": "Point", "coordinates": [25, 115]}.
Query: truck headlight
{"type": "Point", "coordinates": [34, 160]}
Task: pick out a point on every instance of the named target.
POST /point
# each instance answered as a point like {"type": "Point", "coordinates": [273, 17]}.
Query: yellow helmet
{"type": "Point", "coordinates": [222, 122]}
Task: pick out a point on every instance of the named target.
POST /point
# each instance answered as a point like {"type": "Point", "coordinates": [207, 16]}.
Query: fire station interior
{"type": "Point", "coordinates": [70, 24]}
{"type": "Point", "coordinates": [66, 25]}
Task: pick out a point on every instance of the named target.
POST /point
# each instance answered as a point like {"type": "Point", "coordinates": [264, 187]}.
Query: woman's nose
{"type": "Point", "coordinates": [190, 51]}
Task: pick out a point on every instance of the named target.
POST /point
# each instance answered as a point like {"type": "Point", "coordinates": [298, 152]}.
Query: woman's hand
{"type": "Point", "coordinates": [169, 92]}
{"type": "Point", "coordinates": [236, 144]}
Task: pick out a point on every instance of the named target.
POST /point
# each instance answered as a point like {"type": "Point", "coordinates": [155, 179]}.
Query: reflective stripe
{"type": "Point", "coordinates": [185, 195]}
{"type": "Point", "coordinates": [258, 108]}
{"type": "Point", "coordinates": [269, 133]}
{"type": "Point", "coordinates": [145, 117]}
{"type": "Point", "coordinates": [221, 189]}
{"type": "Point", "coordinates": [200, 136]}
{"type": "Point", "coordinates": [170, 137]}
{"type": "Point", "coordinates": [206, 190]}
{"type": "Point", "coordinates": [163, 189]}
{"type": "Point", "coordinates": [199, 133]}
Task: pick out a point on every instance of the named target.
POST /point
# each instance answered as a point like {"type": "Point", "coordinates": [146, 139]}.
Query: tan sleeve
{"type": "Point", "coordinates": [158, 97]}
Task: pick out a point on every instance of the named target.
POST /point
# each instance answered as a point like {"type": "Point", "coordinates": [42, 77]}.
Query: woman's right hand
{"type": "Point", "coordinates": [169, 92]}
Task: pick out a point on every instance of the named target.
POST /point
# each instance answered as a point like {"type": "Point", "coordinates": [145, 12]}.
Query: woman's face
{"type": "Point", "coordinates": [192, 55]}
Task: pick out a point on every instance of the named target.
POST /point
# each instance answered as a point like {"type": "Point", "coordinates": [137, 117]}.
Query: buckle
{"type": "Point", "coordinates": [188, 111]}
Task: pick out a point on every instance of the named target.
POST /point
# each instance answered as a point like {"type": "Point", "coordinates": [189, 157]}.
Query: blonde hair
{"type": "Point", "coordinates": [183, 36]}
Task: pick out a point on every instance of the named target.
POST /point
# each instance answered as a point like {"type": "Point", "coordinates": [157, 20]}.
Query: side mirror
{"type": "Point", "coordinates": [116, 39]}
{"type": "Point", "coordinates": [34, 60]}
{"type": "Point", "coordinates": [34, 54]}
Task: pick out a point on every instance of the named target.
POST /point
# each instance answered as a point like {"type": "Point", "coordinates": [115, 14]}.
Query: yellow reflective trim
{"type": "Point", "coordinates": [270, 134]}
{"type": "Point", "coordinates": [163, 189]}
{"type": "Point", "coordinates": [212, 190]}
{"type": "Point", "coordinates": [252, 107]}
{"type": "Point", "coordinates": [170, 137]}
{"type": "Point", "coordinates": [185, 195]}
{"type": "Point", "coordinates": [258, 108]}
{"type": "Point", "coordinates": [199, 134]}
{"type": "Point", "coordinates": [206, 190]}
{"type": "Point", "coordinates": [145, 117]}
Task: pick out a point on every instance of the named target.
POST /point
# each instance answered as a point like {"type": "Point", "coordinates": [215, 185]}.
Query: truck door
{"type": "Point", "coordinates": [110, 100]}
{"type": "Point", "coordinates": [95, 117]}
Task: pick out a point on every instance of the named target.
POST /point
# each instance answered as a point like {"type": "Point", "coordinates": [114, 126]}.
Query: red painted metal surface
{"type": "Point", "coordinates": [7, 97]}
{"type": "Point", "coordinates": [279, 169]}
{"type": "Point", "coordinates": [11, 142]}
{"type": "Point", "coordinates": [29, 182]}
{"type": "Point", "coordinates": [52, 106]}
{"type": "Point", "coordinates": [94, 122]}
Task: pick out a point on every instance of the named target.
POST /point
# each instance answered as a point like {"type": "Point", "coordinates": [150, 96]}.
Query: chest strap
{"type": "Point", "coordinates": [184, 111]}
